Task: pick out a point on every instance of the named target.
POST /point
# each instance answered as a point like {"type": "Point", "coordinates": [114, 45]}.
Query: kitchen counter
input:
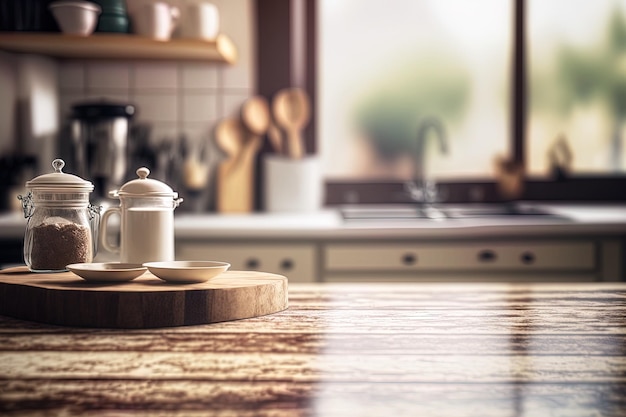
{"type": "Point", "coordinates": [586, 242]}
{"type": "Point", "coordinates": [329, 223]}
{"type": "Point", "coordinates": [572, 219]}
{"type": "Point", "coordinates": [341, 350]}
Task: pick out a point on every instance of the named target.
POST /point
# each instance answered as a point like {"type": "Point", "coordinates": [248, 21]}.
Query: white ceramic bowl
{"type": "Point", "coordinates": [76, 17]}
{"type": "Point", "coordinates": [108, 271]}
{"type": "Point", "coordinates": [187, 271]}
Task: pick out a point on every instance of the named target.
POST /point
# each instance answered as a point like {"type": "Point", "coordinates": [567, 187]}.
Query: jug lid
{"type": "Point", "coordinates": [59, 180]}
{"type": "Point", "coordinates": [144, 186]}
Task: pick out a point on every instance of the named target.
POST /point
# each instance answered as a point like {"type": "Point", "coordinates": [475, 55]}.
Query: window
{"type": "Point", "coordinates": [388, 68]}
{"type": "Point", "coordinates": [526, 79]}
{"type": "Point", "coordinates": [577, 85]}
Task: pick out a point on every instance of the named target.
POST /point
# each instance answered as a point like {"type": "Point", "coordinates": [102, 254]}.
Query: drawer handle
{"type": "Point", "coordinates": [409, 259]}
{"type": "Point", "coordinates": [252, 263]}
{"type": "Point", "coordinates": [286, 264]}
{"type": "Point", "coordinates": [528, 258]}
{"type": "Point", "coordinates": [487, 255]}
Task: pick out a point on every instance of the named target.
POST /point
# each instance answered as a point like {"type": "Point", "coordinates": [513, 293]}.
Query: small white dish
{"type": "Point", "coordinates": [107, 271]}
{"type": "Point", "coordinates": [187, 271]}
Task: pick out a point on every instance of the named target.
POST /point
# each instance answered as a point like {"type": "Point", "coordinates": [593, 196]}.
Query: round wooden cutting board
{"type": "Point", "coordinates": [146, 302]}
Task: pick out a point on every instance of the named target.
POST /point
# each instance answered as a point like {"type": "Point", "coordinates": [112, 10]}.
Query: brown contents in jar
{"type": "Point", "coordinates": [57, 245]}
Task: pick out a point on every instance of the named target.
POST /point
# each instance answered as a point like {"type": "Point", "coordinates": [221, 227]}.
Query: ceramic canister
{"type": "Point", "coordinates": [147, 220]}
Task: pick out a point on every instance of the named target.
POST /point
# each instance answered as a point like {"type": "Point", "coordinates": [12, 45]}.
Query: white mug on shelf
{"type": "Point", "coordinates": [201, 21]}
{"type": "Point", "coordinates": [156, 20]}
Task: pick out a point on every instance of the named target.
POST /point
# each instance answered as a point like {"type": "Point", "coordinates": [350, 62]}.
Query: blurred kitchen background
{"type": "Point", "coordinates": [378, 75]}
{"type": "Point", "coordinates": [177, 103]}
{"type": "Point", "coordinates": [338, 140]}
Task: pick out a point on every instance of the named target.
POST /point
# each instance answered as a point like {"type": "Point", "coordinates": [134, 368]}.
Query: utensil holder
{"type": "Point", "coordinates": [292, 185]}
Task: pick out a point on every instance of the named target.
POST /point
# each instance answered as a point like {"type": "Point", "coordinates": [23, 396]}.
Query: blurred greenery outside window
{"type": "Point", "coordinates": [577, 83]}
{"type": "Point", "coordinates": [384, 66]}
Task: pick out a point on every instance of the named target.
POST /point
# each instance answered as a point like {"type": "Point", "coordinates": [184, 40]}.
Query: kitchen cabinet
{"type": "Point", "coordinates": [481, 256]}
{"type": "Point", "coordinates": [119, 46]}
{"type": "Point", "coordinates": [349, 260]}
{"type": "Point", "coordinates": [297, 261]}
{"type": "Point", "coordinates": [511, 260]}
{"type": "Point", "coordinates": [583, 243]}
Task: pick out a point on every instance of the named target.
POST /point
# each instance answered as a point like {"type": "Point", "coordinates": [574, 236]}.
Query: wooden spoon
{"type": "Point", "coordinates": [230, 137]}
{"type": "Point", "coordinates": [276, 140]}
{"type": "Point", "coordinates": [255, 115]}
{"type": "Point", "coordinates": [292, 111]}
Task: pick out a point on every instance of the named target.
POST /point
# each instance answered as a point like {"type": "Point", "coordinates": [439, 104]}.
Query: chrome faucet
{"type": "Point", "coordinates": [421, 189]}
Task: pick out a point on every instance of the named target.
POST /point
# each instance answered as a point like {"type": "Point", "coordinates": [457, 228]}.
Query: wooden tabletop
{"type": "Point", "coordinates": [341, 350]}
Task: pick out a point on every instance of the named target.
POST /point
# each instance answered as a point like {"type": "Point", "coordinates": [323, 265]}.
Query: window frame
{"type": "Point", "coordinates": [275, 40]}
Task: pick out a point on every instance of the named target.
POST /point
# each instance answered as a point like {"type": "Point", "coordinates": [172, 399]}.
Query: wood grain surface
{"type": "Point", "coordinates": [120, 46]}
{"type": "Point", "coordinates": [146, 302]}
{"type": "Point", "coordinates": [341, 350]}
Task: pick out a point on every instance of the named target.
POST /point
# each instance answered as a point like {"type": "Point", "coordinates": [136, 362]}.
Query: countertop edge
{"type": "Point", "coordinates": [328, 224]}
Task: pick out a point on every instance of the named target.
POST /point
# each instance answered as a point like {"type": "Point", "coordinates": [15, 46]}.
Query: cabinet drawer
{"type": "Point", "coordinates": [296, 262]}
{"type": "Point", "coordinates": [467, 256]}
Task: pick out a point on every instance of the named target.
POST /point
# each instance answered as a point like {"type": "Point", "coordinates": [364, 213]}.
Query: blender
{"type": "Point", "coordinates": [99, 136]}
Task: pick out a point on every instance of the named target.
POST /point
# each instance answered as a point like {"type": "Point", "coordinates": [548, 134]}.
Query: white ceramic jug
{"type": "Point", "coordinates": [201, 21]}
{"type": "Point", "coordinates": [147, 220]}
{"type": "Point", "coordinates": [156, 20]}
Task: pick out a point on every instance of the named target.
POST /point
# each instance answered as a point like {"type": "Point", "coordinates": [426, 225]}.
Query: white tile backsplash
{"type": "Point", "coordinates": [164, 132]}
{"type": "Point", "coordinates": [199, 108]}
{"type": "Point", "coordinates": [66, 101]}
{"type": "Point", "coordinates": [105, 75]}
{"type": "Point", "coordinates": [231, 103]}
{"type": "Point", "coordinates": [156, 76]}
{"type": "Point", "coordinates": [199, 76]}
{"type": "Point", "coordinates": [237, 22]}
{"type": "Point", "coordinates": [157, 108]}
{"type": "Point", "coordinates": [108, 96]}
{"type": "Point", "coordinates": [72, 76]}
{"type": "Point", "coordinates": [198, 131]}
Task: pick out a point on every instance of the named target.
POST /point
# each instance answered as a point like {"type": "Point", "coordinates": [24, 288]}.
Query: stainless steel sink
{"type": "Point", "coordinates": [497, 210]}
{"type": "Point", "coordinates": [443, 212]}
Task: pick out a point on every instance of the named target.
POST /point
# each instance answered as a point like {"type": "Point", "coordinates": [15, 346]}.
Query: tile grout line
{"type": "Point", "coordinates": [132, 81]}
{"type": "Point", "coordinates": [86, 77]}
{"type": "Point", "coordinates": [83, 68]}
{"type": "Point", "coordinates": [180, 108]}
{"type": "Point", "coordinates": [220, 94]}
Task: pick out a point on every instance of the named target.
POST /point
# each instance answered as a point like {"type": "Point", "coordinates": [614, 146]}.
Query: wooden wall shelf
{"type": "Point", "coordinates": [119, 46]}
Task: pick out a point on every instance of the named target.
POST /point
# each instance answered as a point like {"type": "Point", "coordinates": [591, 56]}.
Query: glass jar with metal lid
{"type": "Point", "coordinates": [61, 222]}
